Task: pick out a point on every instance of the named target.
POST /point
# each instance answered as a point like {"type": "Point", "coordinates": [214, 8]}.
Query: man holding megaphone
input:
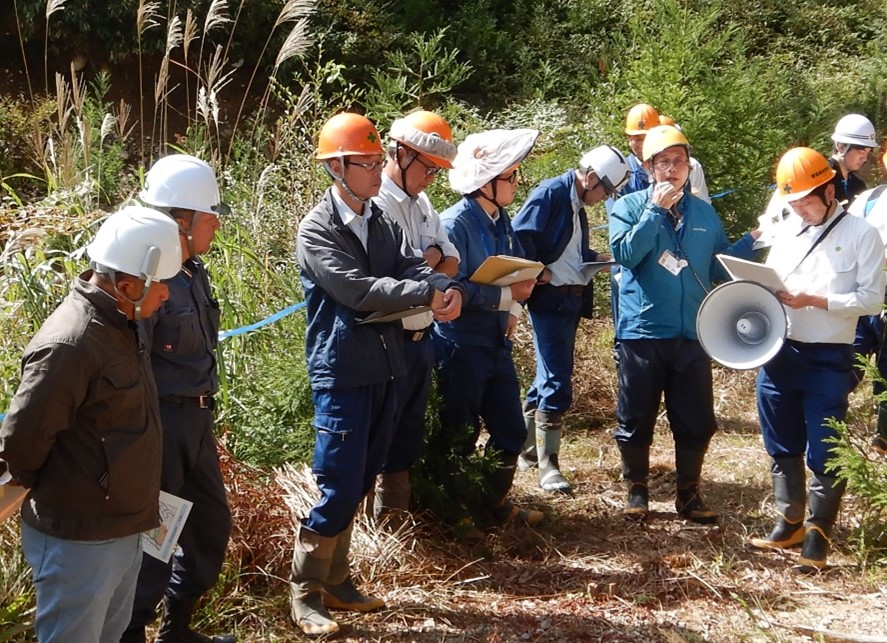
{"type": "Point", "coordinates": [666, 240]}
{"type": "Point", "coordinates": [832, 266]}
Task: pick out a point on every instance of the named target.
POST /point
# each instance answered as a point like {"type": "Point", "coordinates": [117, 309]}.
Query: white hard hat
{"type": "Point", "coordinates": [855, 129]}
{"type": "Point", "coordinates": [609, 166]}
{"type": "Point", "coordinates": [138, 241]}
{"type": "Point", "coordinates": [484, 156]}
{"type": "Point", "coordinates": [182, 181]}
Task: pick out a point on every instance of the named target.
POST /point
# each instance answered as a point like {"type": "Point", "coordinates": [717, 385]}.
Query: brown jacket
{"type": "Point", "coordinates": [83, 430]}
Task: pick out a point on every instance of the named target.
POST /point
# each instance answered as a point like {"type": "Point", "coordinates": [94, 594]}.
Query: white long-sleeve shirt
{"type": "Point", "coordinates": [847, 268]}
{"type": "Point", "coordinates": [421, 229]}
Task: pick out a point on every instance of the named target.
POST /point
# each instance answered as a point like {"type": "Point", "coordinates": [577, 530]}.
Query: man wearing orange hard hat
{"type": "Point", "coordinates": [421, 146]}
{"type": "Point", "coordinates": [832, 267]}
{"type": "Point", "coordinates": [352, 265]}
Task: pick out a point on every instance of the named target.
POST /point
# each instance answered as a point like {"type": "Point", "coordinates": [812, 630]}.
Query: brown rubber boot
{"type": "Point", "coordinates": [312, 557]}
{"type": "Point", "coordinates": [391, 506]}
{"type": "Point", "coordinates": [339, 591]}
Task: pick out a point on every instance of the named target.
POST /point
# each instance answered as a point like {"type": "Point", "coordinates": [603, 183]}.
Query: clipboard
{"type": "Point", "coordinates": [740, 269]}
{"type": "Point", "coordinates": [377, 317]}
{"type": "Point", "coordinates": [504, 270]}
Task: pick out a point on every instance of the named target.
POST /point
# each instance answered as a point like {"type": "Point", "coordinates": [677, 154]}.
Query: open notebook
{"type": "Point", "coordinates": [752, 271]}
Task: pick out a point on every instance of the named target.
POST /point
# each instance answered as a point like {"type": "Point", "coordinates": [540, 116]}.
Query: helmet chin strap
{"type": "Point", "coordinates": [136, 303]}
{"type": "Point", "coordinates": [186, 232]}
{"type": "Point", "coordinates": [493, 199]}
{"type": "Point", "coordinates": [585, 189]}
{"type": "Point", "coordinates": [403, 168]}
{"type": "Point", "coordinates": [342, 182]}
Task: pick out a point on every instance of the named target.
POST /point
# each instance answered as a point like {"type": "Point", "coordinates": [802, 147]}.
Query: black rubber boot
{"type": "Point", "coordinates": [688, 499]}
{"type": "Point", "coordinates": [528, 456]}
{"type": "Point", "coordinates": [175, 624]}
{"type": "Point", "coordinates": [635, 468]}
{"type": "Point", "coordinates": [339, 591]}
{"type": "Point", "coordinates": [789, 482]}
{"type": "Point", "coordinates": [312, 557]}
{"type": "Point", "coordinates": [496, 494]}
{"type": "Point", "coordinates": [823, 502]}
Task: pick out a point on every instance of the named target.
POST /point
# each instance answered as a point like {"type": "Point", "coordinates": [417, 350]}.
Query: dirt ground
{"type": "Point", "coordinates": [587, 574]}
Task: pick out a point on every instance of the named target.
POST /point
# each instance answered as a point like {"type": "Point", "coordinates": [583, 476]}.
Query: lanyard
{"type": "Point", "coordinates": [820, 239]}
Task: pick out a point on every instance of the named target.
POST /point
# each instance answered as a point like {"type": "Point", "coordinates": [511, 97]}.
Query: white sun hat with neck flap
{"type": "Point", "coordinates": [484, 156]}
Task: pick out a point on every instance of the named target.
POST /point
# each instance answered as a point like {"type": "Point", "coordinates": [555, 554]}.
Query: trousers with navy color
{"type": "Point", "coordinates": [353, 428]}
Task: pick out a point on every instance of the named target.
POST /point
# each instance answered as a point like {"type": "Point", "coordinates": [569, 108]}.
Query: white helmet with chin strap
{"type": "Point", "coordinates": [855, 129]}
{"type": "Point", "coordinates": [140, 242]}
{"type": "Point", "coordinates": [182, 181]}
{"type": "Point", "coordinates": [609, 165]}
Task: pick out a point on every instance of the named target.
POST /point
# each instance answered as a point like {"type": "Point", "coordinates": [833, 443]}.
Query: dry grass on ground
{"type": "Point", "coordinates": [587, 574]}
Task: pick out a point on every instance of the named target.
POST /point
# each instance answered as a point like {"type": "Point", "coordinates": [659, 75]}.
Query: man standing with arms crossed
{"type": "Point", "coordinates": [83, 433]}
{"type": "Point", "coordinates": [352, 264]}
{"type": "Point", "coordinates": [184, 335]}
{"type": "Point", "coordinates": [421, 146]}
{"type": "Point", "coordinates": [553, 228]}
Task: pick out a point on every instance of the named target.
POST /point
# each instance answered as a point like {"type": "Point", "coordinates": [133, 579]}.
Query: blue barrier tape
{"type": "Point", "coordinates": [268, 320]}
{"type": "Point", "coordinates": [246, 329]}
{"type": "Point", "coordinates": [724, 193]}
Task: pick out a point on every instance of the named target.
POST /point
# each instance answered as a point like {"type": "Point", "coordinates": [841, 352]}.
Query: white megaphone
{"type": "Point", "coordinates": [741, 324]}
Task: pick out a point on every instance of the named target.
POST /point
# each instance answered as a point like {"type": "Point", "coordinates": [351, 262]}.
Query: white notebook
{"type": "Point", "coordinates": [752, 271]}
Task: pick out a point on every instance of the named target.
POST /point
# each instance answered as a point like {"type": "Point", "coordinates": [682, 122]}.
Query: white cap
{"type": "Point", "coordinates": [484, 156]}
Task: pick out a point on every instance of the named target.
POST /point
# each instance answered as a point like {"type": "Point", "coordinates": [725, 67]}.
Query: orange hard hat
{"type": "Point", "coordinates": [428, 134]}
{"type": "Point", "coordinates": [348, 134]}
{"type": "Point", "coordinates": [667, 120]}
{"type": "Point", "coordinates": [800, 171]}
{"type": "Point", "coordinates": [662, 137]}
{"type": "Point", "coordinates": [884, 160]}
{"type": "Point", "coordinates": [640, 118]}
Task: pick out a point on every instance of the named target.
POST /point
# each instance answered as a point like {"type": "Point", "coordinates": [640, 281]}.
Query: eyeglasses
{"type": "Point", "coordinates": [667, 164]}
{"type": "Point", "coordinates": [430, 170]}
{"type": "Point", "coordinates": [511, 178]}
{"type": "Point", "coordinates": [369, 167]}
